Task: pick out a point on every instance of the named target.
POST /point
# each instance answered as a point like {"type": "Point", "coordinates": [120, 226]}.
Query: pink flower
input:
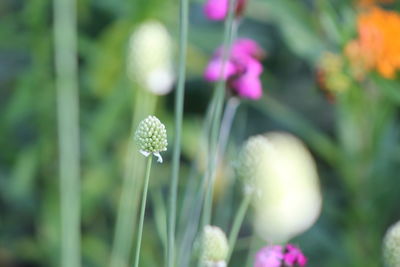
{"type": "Point", "coordinates": [248, 86]}
{"type": "Point", "coordinates": [242, 70]}
{"type": "Point", "coordinates": [214, 70]}
{"type": "Point", "coordinates": [216, 9]}
{"type": "Point", "coordinates": [294, 257]}
{"type": "Point", "coordinates": [278, 256]}
{"type": "Point", "coordinates": [270, 256]}
{"type": "Point", "coordinates": [244, 46]}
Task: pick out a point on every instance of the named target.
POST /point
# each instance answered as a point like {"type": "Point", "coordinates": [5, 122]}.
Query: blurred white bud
{"type": "Point", "coordinates": [150, 58]}
{"type": "Point", "coordinates": [250, 160]}
{"type": "Point", "coordinates": [391, 246]}
{"type": "Point", "coordinates": [289, 199]}
{"type": "Point", "coordinates": [214, 247]}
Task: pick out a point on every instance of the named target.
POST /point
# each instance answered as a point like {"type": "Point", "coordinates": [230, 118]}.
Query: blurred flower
{"type": "Point", "coordinates": [151, 137]}
{"type": "Point", "coordinates": [330, 75]}
{"type": "Point", "coordinates": [150, 58]}
{"type": "Point", "coordinates": [242, 70]}
{"type": "Point", "coordinates": [218, 9]}
{"type": "Point", "coordinates": [293, 256]}
{"type": "Point", "coordinates": [378, 43]}
{"type": "Point", "coordinates": [278, 256]}
{"type": "Point", "coordinates": [250, 160]}
{"type": "Point", "coordinates": [288, 199]}
{"type": "Point", "coordinates": [270, 256]}
{"type": "Point", "coordinates": [391, 246]}
{"type": "Point", "coordinates": [214, 247]}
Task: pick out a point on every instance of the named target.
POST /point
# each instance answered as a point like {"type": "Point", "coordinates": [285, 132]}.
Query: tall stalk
{"type": "Point", "coordinates": [142, 211]}
{"type": "Point", "coordinates": [179, 97]}
{"type": "Point", "coordinates": [65, 47]}
{"type": "Point", "coordinates": [219, 95]}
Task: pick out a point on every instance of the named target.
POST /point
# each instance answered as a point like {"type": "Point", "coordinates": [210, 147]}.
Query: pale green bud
{"type": "Point", "coordinates": [391, 246]}
{"type": "Point", "coordinates": [250, 160]}
{"type": "Point", "coordinates": [150, 58]}
{"type": "Point", "coordinates": [151, 137]}
{"type": "Point", "coordinates": [283, 175]}
{"type": "Point", "coordinates": [214, 247]}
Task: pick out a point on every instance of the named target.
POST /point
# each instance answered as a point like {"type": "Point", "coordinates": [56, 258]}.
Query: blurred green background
{"type": "Point", "coordinates": [354, 137]}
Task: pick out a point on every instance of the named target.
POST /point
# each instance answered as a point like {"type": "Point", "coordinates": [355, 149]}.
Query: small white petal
{"type": "Point", "coordinates": [159, 158]}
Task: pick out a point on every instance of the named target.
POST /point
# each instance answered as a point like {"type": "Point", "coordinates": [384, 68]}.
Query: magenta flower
{"type": "Point", "coordinates": [278, 256]}
{"type": "Point", "coordinates": [242, 70]}
{"type": "Point", "coordinates": [294, 257]}
{"type": "Point", "coordinates": [270, 256]}
{"type": "Point", "coordinates": [218, 9]}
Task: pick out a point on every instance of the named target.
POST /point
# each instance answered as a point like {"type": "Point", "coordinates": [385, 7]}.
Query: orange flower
{"type": "Point", "coordinates": [378, 43]}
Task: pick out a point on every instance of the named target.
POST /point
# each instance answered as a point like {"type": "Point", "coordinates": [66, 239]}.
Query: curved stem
{"type": "Point", "coordinates": [142, 211]}
{"type": "Point", "coordinates": [237, 223]}
{"type": "Point", "coordinates": [179, 97]}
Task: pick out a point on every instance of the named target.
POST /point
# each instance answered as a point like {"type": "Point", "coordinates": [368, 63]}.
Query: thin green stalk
{"type": "Point", "coordinates": [65, 47]}
{"type": "Point", "coordinates": [179, 97]}
{"type": "Point", "coordinates": [237, 223]}
{"type": "Point", "coordinates": [142, 211]}
{"type": "Point", "coordinates": [230, 34]}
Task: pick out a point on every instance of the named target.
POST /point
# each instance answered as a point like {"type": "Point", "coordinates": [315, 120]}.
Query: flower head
{"type": "Point", "coordinates": [241, 71]}
{"type": "Point", "coordinates": [214, 246]}
{"type": "Point", "coordinates": [151, 137]}
{"type": "Point", "coordinates": [391, 246]}
{"type": "Point", "coordinates": [149, 63]}
{"type": "Point", "coordinates": [378, 44]}
{"type": "Point", "coordinates": [218, 9]}
{"type": "Point", "coordinates": [293, 256]}
{"type": "Point", "coordinates": [288, 200]}
{"type": "Point", "coordinates": [279, 256]}
{"type": "Point", "coordinates": [270, 256]}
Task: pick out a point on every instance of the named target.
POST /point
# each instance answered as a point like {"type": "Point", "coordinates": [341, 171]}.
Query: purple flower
{"type": "Point", "coordinates": [294, 257]}
{"type": "Point", "coordinates": [270, 256]}
{"type": "Point", "coordinates": [242, 70]}
{"type": "Point", "coordinates": [214, 70]}
{"type": "Point", "coordinates": [278, 256]}
{"type": "Point", "coordinates": [216, 9]}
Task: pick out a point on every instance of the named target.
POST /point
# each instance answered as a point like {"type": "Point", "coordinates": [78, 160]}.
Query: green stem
{"type": "Point", "coordinates": [230, 33]}
{"type": "Point", "coordinates": [142, 211]}
{"type": "Point", "coordinates": [179, 97]}
{"type": "Point", "coordinates": [65, 42]}
{"type": "Point", "coordinates": [237, 223]}
{"type": "Point", "coordinates": [144, 104]}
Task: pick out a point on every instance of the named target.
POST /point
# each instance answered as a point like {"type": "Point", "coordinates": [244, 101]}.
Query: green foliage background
{"type": "Point", "coordinates": [354, 139]}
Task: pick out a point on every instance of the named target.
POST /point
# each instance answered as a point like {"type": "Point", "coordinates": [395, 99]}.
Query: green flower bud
{"type": "Point", "coordinates": [214, 246]}
{"type": "Point", "coordinates": [250, 159]}
{"type": "Point", "coordinates": [391, 246]}
{"type": "Point", "coordinates": [151, 137]}
{"type": "Point", "coordinates": [150, 53]}
{"type": "Point", "coordinates": [283, 179]}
